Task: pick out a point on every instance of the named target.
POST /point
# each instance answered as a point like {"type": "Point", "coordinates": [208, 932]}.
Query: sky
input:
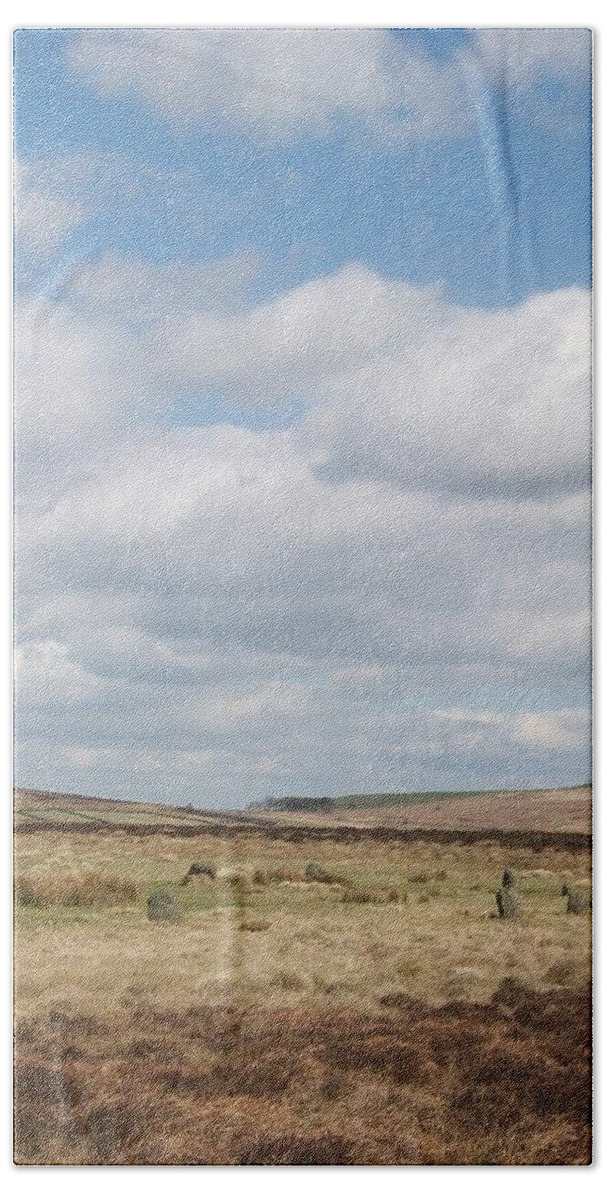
{"type": "Point", "coordinates": [302, 411]}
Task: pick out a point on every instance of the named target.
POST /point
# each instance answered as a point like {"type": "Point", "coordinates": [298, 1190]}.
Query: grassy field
{"type": "Point", "coordinates": [283, 1019]}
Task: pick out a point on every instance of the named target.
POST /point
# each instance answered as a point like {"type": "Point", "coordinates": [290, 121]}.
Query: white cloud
{"type": "Point", "coordinates": [280, 80]}
{"type": "Point", "coordinates": [278, 83]}
{"type": "Point", "coordinates": [558, 729]}
{"type": "Point", "coordinates": [489, 401]}
{"type": "Point", "coordinates": [564, 729]}
{"type": "Point", "coordinates": [215, 592]}
{"type": "Point", "coordinates": [396, 383]}
{"type": "Point", "coordinates": [402, 385]}
{"type": "Point", "coordinates": [45, 671]}
{"type": "Point", "coordinates": [43, 215]}
{"type": "Point", "coordinates": [521, 54]}
{"type": "Point", "coordinates": [325, 326]}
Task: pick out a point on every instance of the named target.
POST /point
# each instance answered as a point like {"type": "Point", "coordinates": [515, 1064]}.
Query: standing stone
{"type": "Point", "coordinates": [509, 878]}
{"type": "Point", "coordinates": [508, 902]}
{"type": "Point", "coordinates": [507, 899]}
{"type": "Point", "coordinates": [579, 899]}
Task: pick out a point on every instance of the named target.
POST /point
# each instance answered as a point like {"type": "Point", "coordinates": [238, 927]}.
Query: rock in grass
{"type": "Point", "coordinates": [162, 907]}
{"type": "Point", "coordinates": [579, 898]}
{"type": "Point", "coordinates": [198, 868]}
{"type": "Point", "coordinates": [507, 899]}
{"type": "Point", "coordinates": [508, 903]}
{"type": "Point", "coordinates": [317, 873]}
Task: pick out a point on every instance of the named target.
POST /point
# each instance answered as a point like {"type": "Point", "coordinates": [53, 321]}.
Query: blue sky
{"type": "Point", "coordinates": [423, 211]}
{"type": "Point", "coordinates": [348, 269]}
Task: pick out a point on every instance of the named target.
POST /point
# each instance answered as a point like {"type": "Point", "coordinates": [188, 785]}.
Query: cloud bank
{"type": "Point", "coordinates": [387, 589]}
{"type": "Point", "coordinates": [281, 83]}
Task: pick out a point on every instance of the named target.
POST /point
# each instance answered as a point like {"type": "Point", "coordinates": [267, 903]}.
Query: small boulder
{"type": "Point", "coordinates": [317, 874]}
{"type": "Point", "coordinates": [162, 907]}
{"type": "Point", "coordinates": [198, 868]}
{"type": "Point", "coordinates": [579, 899]}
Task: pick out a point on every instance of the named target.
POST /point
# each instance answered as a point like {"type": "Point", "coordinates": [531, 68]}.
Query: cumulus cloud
{"type": "Point", "coordinates": [325, 606]}
{"type": "Point", "coordinates": [44, 214]}
{"type": "Point", "coordinates": [394, 382]}
{"type": "Point", "coordinates": [524, 53]}
{"type": "Point", "coordinates": [280, 83]}
{"type": "Point", "coordinates": [327, 325]}
{"type": "Point", "coordinates": [402, 385]}
{"type": "Point", "coordinates": [276, 81]}
{"type": "Point", "coordinates": [484, 401]}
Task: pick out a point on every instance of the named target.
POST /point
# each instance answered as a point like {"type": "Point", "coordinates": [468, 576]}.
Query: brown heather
{"type": "Point", "coordinates": [276, 1023]}
{"type": "Point", "coordinates": [507, 1083]}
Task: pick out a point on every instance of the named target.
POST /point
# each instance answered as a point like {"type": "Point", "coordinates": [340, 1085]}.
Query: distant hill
{"type": "Point", "coordinates": [567, 809]}
{"type": "Point", "coordinates": [309, 804]}
{"type": "Point", "coordinates": [559, 810]}
{"type": "Point", "coordinates": [37, 808]}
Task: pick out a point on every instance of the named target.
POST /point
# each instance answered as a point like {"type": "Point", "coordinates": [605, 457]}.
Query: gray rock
{"type": "Point", "coordinates": [162, 907]}
{"type": "Point", "coordinates": [579, 898]}
{"type": "Point", "coordinates": [508, 903]}
{"type": "Point", "coordinates": [317, 873]}
{"type": "Point", "coordinates": [509, 878]}
{"type": "Point", "coordinates": [197, 869]}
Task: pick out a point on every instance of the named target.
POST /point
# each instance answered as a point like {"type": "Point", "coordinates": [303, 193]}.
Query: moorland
{"type": "Point", "coordinates": [322, 990]}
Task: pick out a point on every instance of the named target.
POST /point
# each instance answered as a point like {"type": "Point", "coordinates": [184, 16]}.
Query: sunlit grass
{"type": "Point", "coordinates": [242, 939]}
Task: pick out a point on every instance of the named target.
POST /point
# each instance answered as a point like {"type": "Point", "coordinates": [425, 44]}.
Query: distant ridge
{"type": "Point", "coordinates": [326, 804]}
{"type": "Point", "coordinates": [552, 814]}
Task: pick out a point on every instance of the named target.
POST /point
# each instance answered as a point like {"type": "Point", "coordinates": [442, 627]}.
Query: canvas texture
{"type": "Point", "coordinates": [302, 429]}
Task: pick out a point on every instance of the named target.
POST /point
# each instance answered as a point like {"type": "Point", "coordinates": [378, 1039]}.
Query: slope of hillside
{"type": "Point", "coordinates": [558, 809]}
{"type": "Point", "coordinates": [36, 808]}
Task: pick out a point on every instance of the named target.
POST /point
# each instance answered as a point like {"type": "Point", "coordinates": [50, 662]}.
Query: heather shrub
{"type": "Point", "coordinates": [357, 895]}
{"type": "Point", "coordinates": [75, 891]}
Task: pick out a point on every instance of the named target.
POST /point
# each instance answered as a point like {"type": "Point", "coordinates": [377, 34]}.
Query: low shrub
{"type": "Point", "coordinates": [75, 891]}
{"type": "Point", "coordinates": [564, 973]}
{"type": "Point", "coordinates": [289, 981]}
{"type": "Point", "coordinates": [267, 876]}
{"type": "Point", "coordinates": [357, 895]}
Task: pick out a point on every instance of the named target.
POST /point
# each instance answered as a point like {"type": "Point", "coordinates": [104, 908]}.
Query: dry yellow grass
{"type": "Point", "coordinates": [276, 1024]}
{"type": "Point", "coordinates": [440, 944]}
